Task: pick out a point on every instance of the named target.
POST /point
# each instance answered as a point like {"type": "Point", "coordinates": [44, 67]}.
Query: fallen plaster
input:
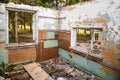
{"type": "Point", "coordinates": [61, 68]}
{"type": "Point", "coordinates": [53, 69]}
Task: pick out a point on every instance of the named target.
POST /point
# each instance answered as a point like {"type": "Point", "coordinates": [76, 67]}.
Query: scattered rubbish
{"type": "Point", "coordinates": [36, 72]}
{"type": "Point", "coordinates": [53, 69]}
{"type": "Point", "coordinates": [61, 69]}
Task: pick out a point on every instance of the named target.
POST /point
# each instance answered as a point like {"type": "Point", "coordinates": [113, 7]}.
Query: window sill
{"type": "Point", "coordinates": [20, 45]}
{"type": "Point", "coordinates": [84, 53]}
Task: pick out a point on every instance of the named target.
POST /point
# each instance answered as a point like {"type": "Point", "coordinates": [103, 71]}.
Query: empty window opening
{"type": "Point", "coordinates": [20, 27]}
{"type": "Point", "coordinates": [89, 40]}
{"type": "Point", "coordinates": [83, 35]}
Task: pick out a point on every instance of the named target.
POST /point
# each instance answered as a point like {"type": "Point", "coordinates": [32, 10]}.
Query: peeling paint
{"type": "Point", "coordinates": [112, 74]}
{"type": "Point", "coordinates": [98, 69]}
{"type": "Point", "coordinates": [2, 46]}
{"type": "Point", "coordinates": [99, 11]}
{"type": "Point", "coordinates": [105, 12]}
{"type": "Point", "coordinates": [1, 36]}
{"type": "Point", "coordinates": [106, 17]}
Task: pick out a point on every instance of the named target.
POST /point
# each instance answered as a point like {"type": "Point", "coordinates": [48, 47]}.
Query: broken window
{"type": "Point", "coordinates": [87, 40]}
{"type": "Point", "coordinates": [20, 27]}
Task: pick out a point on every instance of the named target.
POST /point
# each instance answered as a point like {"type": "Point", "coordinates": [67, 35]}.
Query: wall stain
{"type": "Point", "coordinates": [110, 55]}
{"type": "Point", "coordinates": [1, 46]}
{"type": "Point", "coordinates": [1, 36]}
{"type": "Point", "coordinates": [110, 71]}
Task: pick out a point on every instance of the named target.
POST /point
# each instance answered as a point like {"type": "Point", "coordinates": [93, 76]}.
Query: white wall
{"type": "Point", "coordinates": [43, 18]}
{"type": "Point", "coordinates": [109, 10]}
{"type": "Point", "coordinates": [50, 22]}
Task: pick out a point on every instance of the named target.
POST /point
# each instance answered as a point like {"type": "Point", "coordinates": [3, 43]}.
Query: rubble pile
{"type": "Point", "coordinates": [16, 72]}
{"type": "Point", "coordinates": [61, 68]}
{"type": "Point", "coordinates": [58, 69]}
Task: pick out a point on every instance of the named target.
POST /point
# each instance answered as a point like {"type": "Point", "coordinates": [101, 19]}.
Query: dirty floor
{"type": "Point", "coordinates": [57, 68]}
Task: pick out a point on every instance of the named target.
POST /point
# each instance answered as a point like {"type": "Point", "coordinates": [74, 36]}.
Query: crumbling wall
{"type": "Point", "coordinates": [96, 68]}
{"type": "Point", "coordinates": [105, 12]}
{"type": "Point", "coordinates": [47, 46]}
{"type": "Point", "coordinates": [99, 11]}
{"type": "Point", "coordinates": [43, 19]}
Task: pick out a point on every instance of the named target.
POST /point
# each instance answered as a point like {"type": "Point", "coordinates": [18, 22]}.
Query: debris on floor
{"type": "Point", "coordinates": [36, 72]}
{"type": "Point", "coordinates": [61, 69]}
{"type": "Point", "coordinates": [53, 69]}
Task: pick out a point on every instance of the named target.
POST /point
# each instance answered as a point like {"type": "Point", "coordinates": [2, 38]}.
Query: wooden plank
{"type": "Point", "coordinates": [38, 52]}
{"type": "Point", "coordinates": [64, 44]}
{"type": "Point", "coordinates": [64, 35]}
{"type": "Point", "coordinates": [46, 53]}
{"type": "Point", "coordinates": [36, 72]}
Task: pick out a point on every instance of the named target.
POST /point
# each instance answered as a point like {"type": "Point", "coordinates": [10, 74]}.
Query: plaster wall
{"type": "Point", "coordinates": [3, 34]}
{"type": "Point", "coordinates": [43, 18]}
{"type": "Point", "coordinates": [107, 10]}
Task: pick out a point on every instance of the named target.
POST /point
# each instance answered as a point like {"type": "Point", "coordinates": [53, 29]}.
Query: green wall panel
{"type": "Point", "coordinates": [3, 56]}
{"type": "Point", "coordinates": [50, 35]}
{"type": "Point", "coordinates": [50, 43]}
